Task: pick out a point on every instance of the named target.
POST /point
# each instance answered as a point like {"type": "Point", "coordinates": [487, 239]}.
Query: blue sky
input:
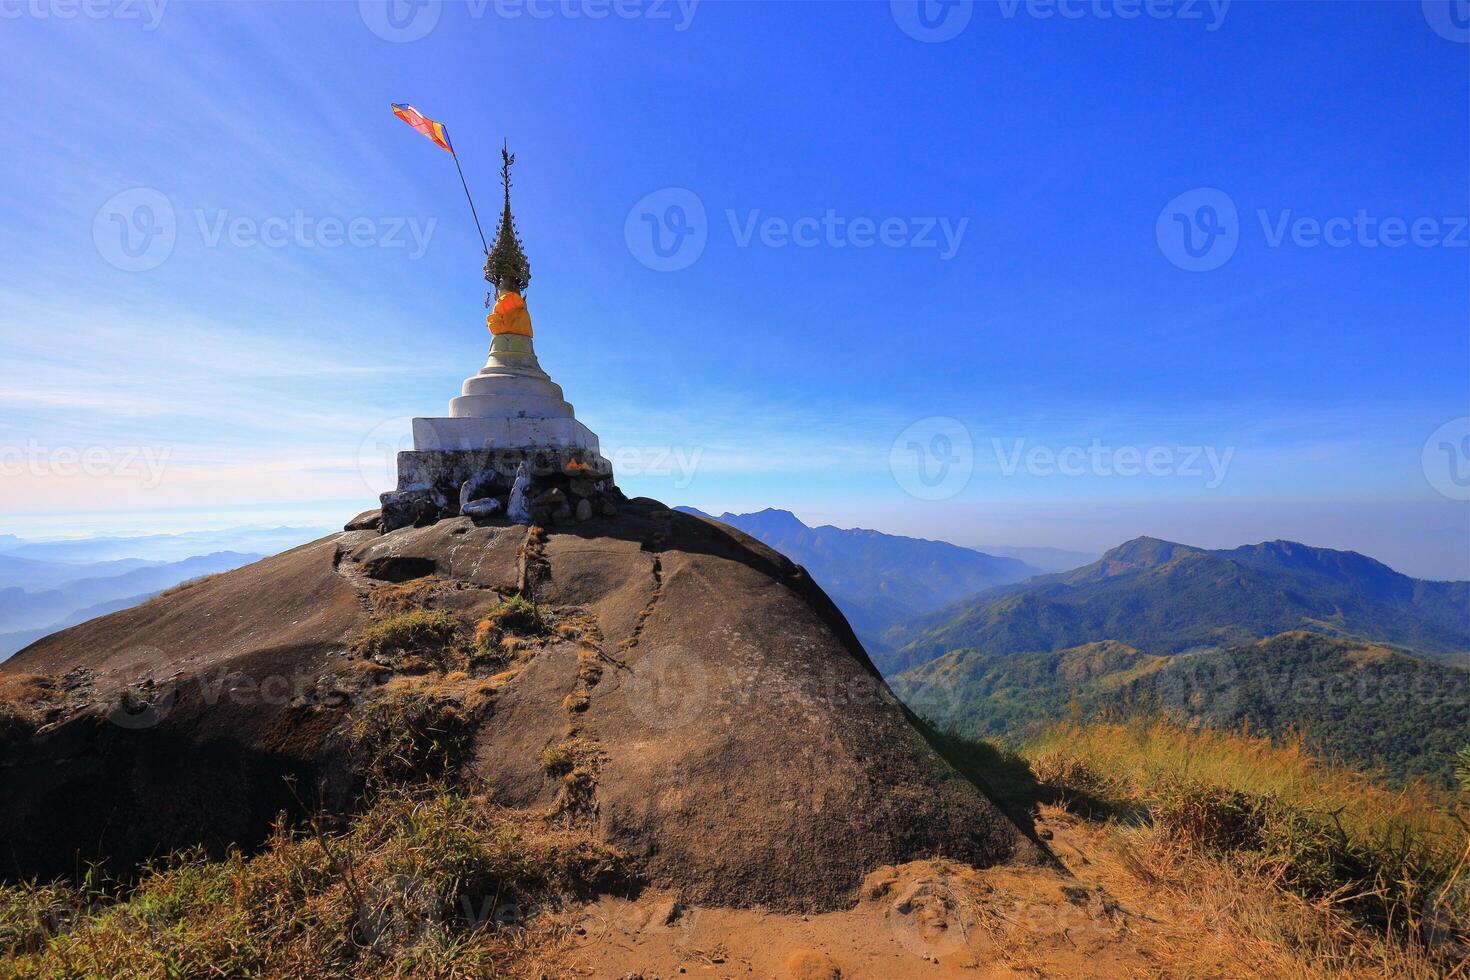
{"type": "Point", "coordinates": [930, 284]}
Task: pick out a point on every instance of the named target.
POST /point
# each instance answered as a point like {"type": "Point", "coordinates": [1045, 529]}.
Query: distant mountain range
{"type": "Point", "coordinates": [46, 586]}
{"type": "Point", "coordinates": [1373, 706]}
{"type": "Point", "coordinates": [22, 609]}
{"type": "Point", "coordinates": [34, 575]}
{"type": "Point", "coordinates": [878, 580]}
{"type": "Point", "coordinates": [20, 639]}
{"type": "Point", "coordinates": [1366, 662]}
{"type": "Point", "coordinates": [161, 547]}
{"type": "Point", "coordinates": [1166, 598]}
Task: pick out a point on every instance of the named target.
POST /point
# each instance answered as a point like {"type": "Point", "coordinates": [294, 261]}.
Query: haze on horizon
{"type": "Point", "coordinates": [1044, 281]}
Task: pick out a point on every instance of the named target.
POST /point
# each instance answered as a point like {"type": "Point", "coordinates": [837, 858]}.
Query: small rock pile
{"type": "Point", "coordinates": [525, 487]}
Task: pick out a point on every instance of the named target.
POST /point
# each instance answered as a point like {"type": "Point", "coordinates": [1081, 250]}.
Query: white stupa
{"type": "Point", "coordinates": [510, 443]}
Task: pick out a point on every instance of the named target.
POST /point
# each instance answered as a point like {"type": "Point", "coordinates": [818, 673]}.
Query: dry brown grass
{"type": "Point", "coordinates": [510, 625]}
{"type": "Point", "coordinates": [426, 883]}
{"type": "Point", "coordinates": [1309, 858]}
{"type": "Point", "coordinates": [25, 690]}
{"type": "Point", "coordinates": [363, 670]}
{"type": "Point", "coordinates": [401, 597]}
{"type": "Point", "coordinates": [576, 760]}
{"type": "Point", "coordinates": [1191, 914]}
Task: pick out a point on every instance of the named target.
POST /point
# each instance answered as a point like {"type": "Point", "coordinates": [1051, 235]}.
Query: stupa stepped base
{"type": "Point", "coordinates": [563, 485]}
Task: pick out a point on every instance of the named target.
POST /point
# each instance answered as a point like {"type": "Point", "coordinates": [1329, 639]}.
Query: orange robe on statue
{"type": "Point", "coordinates": [510, 316]}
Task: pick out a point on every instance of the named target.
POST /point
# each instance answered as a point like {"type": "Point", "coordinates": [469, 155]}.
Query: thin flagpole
{"type": "Point", "coordinates": [471, 200]}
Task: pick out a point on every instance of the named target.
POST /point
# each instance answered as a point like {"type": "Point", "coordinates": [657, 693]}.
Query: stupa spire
{"type": "Point", "coordinates": [506, 267]}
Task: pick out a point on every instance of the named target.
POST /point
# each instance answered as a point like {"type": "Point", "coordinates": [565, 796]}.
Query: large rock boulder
{"type": "Point", "coordinates": [691, 695]}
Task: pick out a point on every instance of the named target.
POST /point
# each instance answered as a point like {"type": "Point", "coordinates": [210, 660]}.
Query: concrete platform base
{"type": "Point", "coordinates": [504, 433]}
{"type": "Point", "coordinates": [447, 470]}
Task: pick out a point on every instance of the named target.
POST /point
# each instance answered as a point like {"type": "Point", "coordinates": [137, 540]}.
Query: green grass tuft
{"type": "Point", "coordinates": [412, 639]}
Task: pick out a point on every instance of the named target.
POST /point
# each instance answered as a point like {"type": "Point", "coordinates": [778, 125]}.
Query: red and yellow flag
{"type": "Point", "coordinates": [431, 129]}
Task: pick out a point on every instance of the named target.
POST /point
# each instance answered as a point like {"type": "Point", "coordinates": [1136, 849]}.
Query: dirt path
{"type": "Point", "coordinates": [927, 919]}
{"type": "Point", "coordinates": [1131, 903]}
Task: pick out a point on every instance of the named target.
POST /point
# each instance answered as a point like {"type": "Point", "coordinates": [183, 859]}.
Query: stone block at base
{"type": "Point", "coordinates": [447, 470]}
{"type": "Point", "coordinates": [478, 434]}
{"type": "Point", "coordinates": [434, 484]}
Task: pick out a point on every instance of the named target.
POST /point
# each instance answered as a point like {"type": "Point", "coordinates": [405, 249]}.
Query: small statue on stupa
{"type": "Point", "coordinates": [507, 269]}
